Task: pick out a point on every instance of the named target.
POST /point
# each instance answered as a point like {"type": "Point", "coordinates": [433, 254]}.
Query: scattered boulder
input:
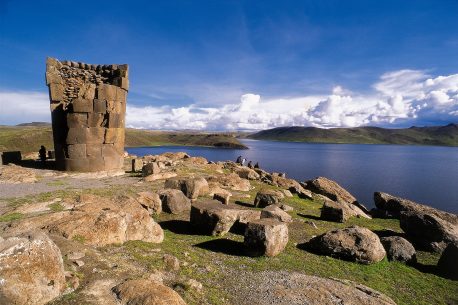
{"type": "Point", "coordinates": [171, 262]}
{"type": "Point", "coordinates": [399, 249]}
{"type": "Point", "coordinates": [287, 193]}
{"type": "Point", "coordinates": [32, 269]}
{"type": "Point", "coordinates": [333, 191]}
{"type": "Point", "coordinates": [266, 236]}
{"type": "Point", "coordinates": [174, 201]}
{"type": "Point", "coordinates": [191, 187]}
{"type": "Point", "coordinates": [353, 243]}
{"type": "Point", "coordinates": [232, 181]}
{"type": "Point", "coordinates": [247, 173]}
{"type": "Point", "coordinates": [340, 211]}
{"type": "Point", "coordinates": [146, 292]}
{"type": "Point", "coordinates": [213, 218]}
{"type": "Point", "coordinates": [159, 176]}
{"type": "Point", "coordinates": [150, 168]}
{"type": "Point", "coordinates": [175, 156]}
{"type": "Point", "coordinates": [273, 211]}
{"type": "Point", "coordinates": [137, 165]}
{"type": "Point", "coordinates": [222, 196]}
{"type": "Point", "coordinates": [150, 201]}
{"type": "Point", "coordinates": [448, 262]}
{"type": "Point", "coordinates": [267, 197]}
{"type": "Point", "coordinates": [101, 221]}
{"type": "Point", "coordinates": [286, 208]}
{"type": "Point", "coordinates": [428, 231]}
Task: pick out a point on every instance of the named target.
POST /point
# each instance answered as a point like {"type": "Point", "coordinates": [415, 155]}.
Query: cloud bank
{"type": "Point", "coordinates": [399, 98]}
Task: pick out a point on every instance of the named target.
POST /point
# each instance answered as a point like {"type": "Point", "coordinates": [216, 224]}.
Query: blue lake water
{"type": "Point", "coordinates": [425, 174]}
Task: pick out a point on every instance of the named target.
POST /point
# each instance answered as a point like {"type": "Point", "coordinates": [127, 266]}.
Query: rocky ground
{"type": "Point", "coordinates": [157, 236]}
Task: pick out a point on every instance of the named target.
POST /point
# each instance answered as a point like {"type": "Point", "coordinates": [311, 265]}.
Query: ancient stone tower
{"type": "Point", "coordinates": [88, 107]}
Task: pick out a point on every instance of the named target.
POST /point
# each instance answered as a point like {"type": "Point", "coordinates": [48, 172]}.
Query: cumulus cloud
{"type": "Point", "coordinates": [399, 98]}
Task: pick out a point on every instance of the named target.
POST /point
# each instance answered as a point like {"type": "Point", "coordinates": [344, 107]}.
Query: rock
{"type": "Point", "coordinates": [31, 269]}
{"type": "Point", "coordinates": [428, 230]}
{"type": "Point", "coordinates": [100, 221]}
{"type": "Point", "coordinates": [267, 197]}
{"type": "Point", "coordinates": [137, 165]}
{"type": "Point", "coordinates": [353, 243]}
{"type": "Point", "coordinates": [266, 237]}
{"type": "Point", "coordinates": [232, 181]}
{"type": "Point", "coordinates": [171, 262]}
{"type": "Point", "coordinates": [146, 292]}
{"type": "Point", "coordinates": [160, 176]}
{"type": "Point", "coordinates": [176, 156]}
{"type": "Point", "coordinates": [192, 284]}
{"type": "Point", "coordinates": [151, 202]}
{"type": "Point", "coordinates": [196, 160]}
{"type": "Point", "coordinates": [78, 263]}
{"type": "Point", "coordinates": [213, 218]}
{"type": "Point", "coordinates": [333, 191]}
{"type": "Point", "coordinates": [16, 174]}
{"type": "Point", "coordinates": [273, 211]}
{"type": "Point", "coordinates": [174, 201]}
{"type": "Point", "coordinates": [287, 193]}
{"type": "Point", "coordinates": [448, 262]}
{"type": "Point", "coordinates": [340, 211]}
{"type": "Point", "coordinates": [301, 192]}
{"type": "Point", "coordinates": [222, 196]}
{"type": "Point", "coordinates": [75, 255]}
{"type": "Point", "coordinates": [247, 173]}
{"type": "Point", "coordinates": [286, 208]}
{"type": "Point", "coordinates": [150, 168]}
{"type": "Point", "coordinates": [399, 249]}
{"type": "Point", "coordinates": [191, 187]}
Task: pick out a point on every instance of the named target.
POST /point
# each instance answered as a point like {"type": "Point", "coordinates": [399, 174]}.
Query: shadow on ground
{"type": "Point", "coordinates": [178, 227]}
{"type": "Point", "coordinates": [49, 164]}
{"type": "Point", "coordinates": [224, 245]}
{"type": "Point", "coordinates": [245, 204]}
{"type": "Point", "coordinates": [309, 216]}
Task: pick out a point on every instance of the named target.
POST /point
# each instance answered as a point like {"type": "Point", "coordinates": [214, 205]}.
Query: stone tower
{"type": "Point", "coordinates": [88, 107]}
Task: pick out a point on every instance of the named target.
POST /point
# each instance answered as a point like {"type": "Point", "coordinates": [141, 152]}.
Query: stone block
{"type": "Point", "coordinates": [137, 165]}
{"type": "Point", "coordinates": [76, 151]}
{"type": "Point", "coordinates": [77, 120]}
{"type": "Point", "coordinates": [119, 145]}
{"type": "Point", "coordinates": [266, 236]}
{"type": "Point", "coordinates": [106, 92]}
{"type": "Point", "coordinates": [77, 135]}
{"type": "Point", "coordinates": [108, 150]}
{"type": "Point", "coordinates": [82, 105]}
{"type": "Point", "coordinates": [100, 106]}
{"type": "Point", "coordinates": [113, 162]}
{"type": "Point", "coordinates": [94, 151]}
{"type": "Point", "coordinates": [53, 77]}
{"type": "Point", "coordinates": [59, 151]}
{"type": "Point", "coordinates": [11, 157]}
{"type": "Point", "coordinates": [95, 119]}
{"type": "Point", "coordinates": [113, 135]}
{"type": "Point", "coordinates": [123, 70]}
{"type": "Point", "coordinates": [115, 120]}
{"type": "Point", "coordinates": [87, 91]}
{"type": "Point", "coordinates": [121, 95]}
{"type": "Point", "coordinates": [79, 165]}
{"type": "Point", "coordinates": [56, 92]}
{"type": "Point", "coordinates": [97, 164]}
{"type": "Point", "coordinates": [122, 82]}
{"type": "Point", "coordinates": [95, 135]}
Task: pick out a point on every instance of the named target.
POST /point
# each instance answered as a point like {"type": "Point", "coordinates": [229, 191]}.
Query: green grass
{"type": "Point", "coordinates": [56, 207]}
{"type": "Point", "coordinates": [10, 217]}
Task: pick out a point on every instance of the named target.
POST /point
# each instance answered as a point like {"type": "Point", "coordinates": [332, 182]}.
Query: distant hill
{"type": "Point", "coordinates": [437, 135]}
{"type": "Point", "coordinates": [34, 124]}
{"type": "Point", "coordinates": [28, 138]}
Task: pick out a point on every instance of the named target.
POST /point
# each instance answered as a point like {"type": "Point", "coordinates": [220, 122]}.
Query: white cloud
{"type": "Point", "coordinates": [404, 97]}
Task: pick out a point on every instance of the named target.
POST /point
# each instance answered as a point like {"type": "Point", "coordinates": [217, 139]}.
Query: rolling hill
{"type": "Point", "coordinates": [437, 135]}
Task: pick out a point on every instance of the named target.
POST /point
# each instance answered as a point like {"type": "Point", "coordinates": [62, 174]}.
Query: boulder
{"type": "Point", "coordinates": [273, 211]}
{"type": "Point", "coordinates": [191, 187]}
{"type": "Point", "coordinates": [232, 181]}
{"type": "Point", "coordinates": [286, 208]}
{"type": "Point", "coordinates": [174, 201]}
{"type": "Point", "coordinates": [428, 230]}
{"type": "Point", "coordinates": [213, 218]}
{"type": "Point", "coordinates": [175, 156]}
{"type": "Point", "coordinates": [100, 221]}
{"type": "Point", "coordinates": [340, 211]}
{"type": "Point", "coordinates": [287, 193]}
{"type": "Point", "coordinates": [150, 168]}
{"type": "Point", "coordinates": [137, 165]}
{"type": "Point", "coordinates": [146, 292]}
{"type": "Point", "coordinates": [222, 196]}
{"type": "Point", "coordinates": [266, 236]}
{"type": "Point", "coordinates": [247, 173]}
{"type": "Point", "coordinates": [150, 201]}
{"type": "Point", "coordinates": [196, 160]}
{"type": "Point", "coordinates": [448, 262]}
{"type": "Point", "coordinates": [399, 249]}
{"type": "Point", "coordinates": [160, 176]}
{"type": "Point", "coordinates": [333, 191]}
{"type": "Point", "coordinates": [353, 243]}
{"type": "Point", "coordinates": [31, 269]}
{"type": "Point", "coordinates": [267, 197]}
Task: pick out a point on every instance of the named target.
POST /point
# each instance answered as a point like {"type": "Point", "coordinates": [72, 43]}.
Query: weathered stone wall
{"type": "Point", "coordinates": [88, 106]}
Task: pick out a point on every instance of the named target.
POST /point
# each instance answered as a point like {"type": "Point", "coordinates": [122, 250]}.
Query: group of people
{"type": "Point", "coordinates": [240, 160]}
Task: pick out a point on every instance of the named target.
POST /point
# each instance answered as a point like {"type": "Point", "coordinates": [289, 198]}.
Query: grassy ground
{"type": "Point", "coordinates": [30, 138]}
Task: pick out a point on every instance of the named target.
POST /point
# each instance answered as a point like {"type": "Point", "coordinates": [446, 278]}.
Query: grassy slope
{"type": "Point", "coordinates": [441, 135]}
{"type": "Point", "coordinates": [29, 138]}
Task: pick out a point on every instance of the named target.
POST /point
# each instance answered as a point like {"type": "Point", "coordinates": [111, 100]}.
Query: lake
{"type": "Point", "coordinates": [425, 174]}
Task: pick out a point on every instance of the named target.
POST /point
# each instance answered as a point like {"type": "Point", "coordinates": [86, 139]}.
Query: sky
{"type": "Point", "coordinates": [243, 65]}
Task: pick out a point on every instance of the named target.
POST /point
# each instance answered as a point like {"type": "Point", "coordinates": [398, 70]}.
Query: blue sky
{"type": "Point", "coordinates": [243, 64]}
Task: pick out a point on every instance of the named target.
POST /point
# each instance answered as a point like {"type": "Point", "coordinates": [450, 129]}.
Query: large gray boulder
{"type": "Point", "coordinates": [399, 249]}
{"type": "Point", "coordinates": [266, 236]}
{"type": "Point", "coordinates": [267, 197]}
{"type": "Point", "coordinates": [191, 187]}
{"type": "Point", "coordinates": [448, 262]}
{"type": "Point", "coordinates": [333, 191]}
{"type": "Point", "coordinates": [150, 201]}
{"type": "Point", "coordinates": [340, 211]}
{"type": "Point", "coordinates": [174, 201]}
{"type": "Point", "coordinates": [150, 169]}
{"type": "Point", "coordinates": [353, 243]}
{"type": "Point", "coordinates": [213, 218]}
{"type": "Point", "coordinates": [275, 212]}
{"type": "Point", "coordinates": [31, 270]}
